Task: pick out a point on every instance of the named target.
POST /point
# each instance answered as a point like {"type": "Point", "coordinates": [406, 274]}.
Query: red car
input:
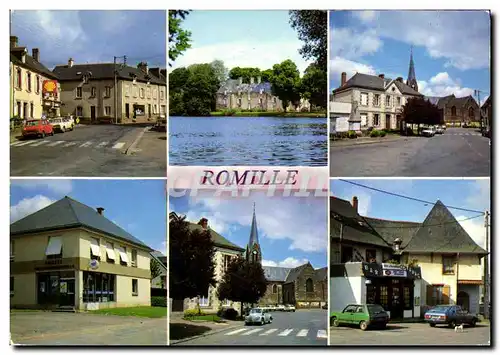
{"type": "Point", "coordinates": [37, 128]}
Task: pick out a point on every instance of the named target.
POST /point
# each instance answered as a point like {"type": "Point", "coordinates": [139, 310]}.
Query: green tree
{"type": "Point", "coordinates": [244, 73]}
{"type": "Point", "coordinates": [221, 72]}
{"type": "Point", "coordinates": [285, 82]}
{"type": "Point", "coordinates": [314, 85]}
{"type": "Point", "coordinates": [191, 266]}
{"type": "Point", "coordinates": [420, 111]}
{"type": "Point", "coordinates": [178, 38]}
{"type": "Point", "coordinates": [243, 282]}
{"type": "Point", "coordinates": [155, 268]}
{"type": "Point", "coordinates": [312, 28]}
{"type": "Point", "coordinates": [200, 90]}
{"type": "Point", "coordinates": [266, 75]}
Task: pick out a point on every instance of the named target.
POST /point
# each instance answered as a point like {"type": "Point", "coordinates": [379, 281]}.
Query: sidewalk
{"type": "Point", "coordinates": [368, 140]}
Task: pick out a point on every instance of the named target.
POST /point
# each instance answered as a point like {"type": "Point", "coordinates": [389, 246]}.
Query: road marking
{"type": "Point", "coordinates": [322, 334]}
{"type": "Point", "coordinates": [39, 143]}
{"type": "Point", "coordinates": [303, 333]}
{"type": "Point", "coordinates": [102, 144]}
{"type": "Point", "coordinates": [69, 144]}
{"type": "Point", "coordinates": [53, 144]}
{"type": "Point", "coordinates": [118, 145]}
{"type": "Point", "coordinates": [252, 331]}
{"type": "Point", "coordinates": [19, 144]}
{"type": "Point", "coordinates": [270, 331]}
{"type": "Point", "coordinates": [236, 331]}
{"type": "Point", "coordinates": [86, 144]}
{"type": "Point", "coordinates": [285, 332]}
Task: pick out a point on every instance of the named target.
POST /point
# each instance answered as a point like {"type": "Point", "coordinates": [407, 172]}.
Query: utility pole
{"type": "Point", "coordinates": [340, 243]}
{"type": "Point", "coordinates": [486, 288]}
{"type": "Point", "coordinates": [477, 92]}
{"type": "Point", "coordinates": [115, 72]}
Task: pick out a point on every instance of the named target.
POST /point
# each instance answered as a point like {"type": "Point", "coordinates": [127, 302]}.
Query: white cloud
{"type": "Point", "coordinates": [339, 65]}
{"type": "Point", "coordinates": [441, 79]}
{"type": "Point", "coordinates": [28, 206]}
{"type": "Point", "coordinates": [442, 85]}
{"type": "Point", "coordinates": [350, 44]}
{"type": "Point", "coordinates": [289, 262]}
{"type": "Point", "coordinates": [366, 16]}
{"type": "Point", "coordinates": [57, 186]}
{"type": "Point", "coordinates": [262, 55]}
{"type": "Point", "coordinates": [479, 198]}
{"type": "Point", "coordinates": [475, 228]}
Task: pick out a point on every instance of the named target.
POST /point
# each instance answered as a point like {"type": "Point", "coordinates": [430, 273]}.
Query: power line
{"type": "Point", "coordinates": [428, 225]}
{"type": "Point", "coordinates": [408, 197]}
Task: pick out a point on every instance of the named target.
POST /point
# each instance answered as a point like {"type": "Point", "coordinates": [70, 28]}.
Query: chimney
{"type": "Point", "coordinates": [13, 41]}
{"type": "Point", "coordinates": [70, 62]}
{"type": "Point", "coordinates": [259, 79]}
{"type": "Point", "coordinates": [355, 203]}
{"type": "Point", "coordinates": [143, 66]}
{"type": "Point", "coordinates": [203, 223]}
{"type": "Point", "coordinates": [35, 53]}
{"type": "Point", "coordinates": [381, 76]}
{"type": "Point", "coordinates": [343, 78]}
{"type": "Point", "coordinates": [240, 80]}
{"type": "Point", "coordinates": [100, 210]}
{"type": "Point", "coordinates": [251, 80]}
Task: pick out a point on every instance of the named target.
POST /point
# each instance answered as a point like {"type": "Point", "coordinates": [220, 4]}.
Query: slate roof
{"type": "Point", "coordinates": [451, 100]}
{"type": "Point", "coordinates": [101, 71]}
{"type": "Point", "coordinates": [218, 239]}
{"type": "Point", "coordinates": [275, 273]}
{"type": "Point", "coordinates": [441, 232]}
{"type": "Point", "coordinates": [390, 230]}
{"type": "Point", "coordinates": [433, 99]}
{"type": "Point", "coordinates": [234, 86]}
{"type": "Point", "coordinates": [374, 82]}
{"type": "Point", "coordinates": [286, 275]}
{"type": "Point", "coordinates": [29, 63]}
{"type": "Point", "coordinates": [69, 213]}
{"type": "Point", "coordinates": [160, 258]}
{"type": "Point", "coordinates": [487, 102]}
{"type": "Point", "coordinates": [321, 274]}
{"type": "Point", "coordinates": [254, 234]}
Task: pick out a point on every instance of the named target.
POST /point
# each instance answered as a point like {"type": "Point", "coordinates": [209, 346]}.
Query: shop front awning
{"type": "Point", "coordinates": [110, 252]}
{"type": "Point", "coordinates": [94, 247]}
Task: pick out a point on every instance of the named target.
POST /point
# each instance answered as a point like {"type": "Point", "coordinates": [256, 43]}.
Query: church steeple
{"type": "Point", "coordinates": [253, 252]}
{"type": "Point", "coordinates": [412, 78]}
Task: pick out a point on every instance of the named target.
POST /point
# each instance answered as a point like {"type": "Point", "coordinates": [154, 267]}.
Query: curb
{"type": "Point", "coordinates": [370, 142]}
{"type": "Point", "coordinates": [131, 148]}
{"type": "Point", "coordinates": [202, 335]}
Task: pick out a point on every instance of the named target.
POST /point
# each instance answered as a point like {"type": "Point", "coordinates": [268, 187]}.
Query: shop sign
{"type": "Point", "coordinates": [49, 87]}
{"type": "Point", "coordinates": [393, 270]}
{"type": "Point", "coordinates": [93, 264]}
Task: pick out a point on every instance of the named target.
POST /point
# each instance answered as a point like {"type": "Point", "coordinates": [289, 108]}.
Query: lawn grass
{"type": "Point", "coordinates": [269, 114]}
{"type": "Point", "coordinates": [147, 312]}
{"type": "Point", "coordinates": [205, 317]}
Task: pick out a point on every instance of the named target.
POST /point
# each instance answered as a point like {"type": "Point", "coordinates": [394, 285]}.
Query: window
{"type": "Point", "coordinates": [127, 90]}
{"type": "Point", "coordinates": [471, 113]}
{"type": "Point", "coordinates": [110, 253]}
{"type": "Point", "coordinates": [448, 265]}
{"type": "Point", "coordinates": [134, 91]}
{"type": "Point", "coordinates": [11, 285]}
{"type": "Point", "coordinates": [54, 248]}
{"type": "Point", "coordinates": [162, 94]}
{"type": "Point", "coordinates": [135, 287]}
{"type": "Point", "coordinates": [384, 296]}
{"type": "Point", "coordinates": [376, 100]}
{"type": "Point", "coordinates": [32, 110]}
{"type": "Point", "coordinates": [155, 109]}
{"type": "Point", "coordinates": [364, 119]}
{"type": "Point", "coordinates": [12, 250]}
{"type": "Point", "coordinates": [437, 294]}
{"type": "Point", "coordinates": [19, 80]}
{"type": "Point", "coordinates": [249, 106]}
{"type": "Point", "coordinates": [28, 81]}
{"type": "Point", "coordinates": [93, 91]}
{"type": "Point", "coordinates": [85, 79]}
{"type": "Point", "coordinates": [371, 255]}
{"type": "Point", "coordinates": [364, 99]}
{"type": "Point", "coordinates": [107, 110]}
{"type": "Point", "coordinates": [347, 253]}
{"type": "Point", "coordinates": [376, 119]}
{"type": "Point", "coordinates": [149, 93]}
{"type": "Point", "coordinates": [142, 93]}
{"type": "Point", "coordinates": [19, 109]}
{"type": "Point", "coordinates": [98, 287]}
{"type": "Point", "coordinates": [309, 285]}
{"type": "Point", "coordinates": [123, 256]}
{"type": "Point", "coordinates": [275, 288]}
{"type": "Point", "coordinates": [227, 260]}
{"type": "Point", "coordinates": [134, 258]}
{"type": "Point", "coordinates": [95, 249]}
{"type": "Point", "coordinates": [79, 111]}
{"type": "Point", "coordinates": [79, 92]}
{"type": "Point", "coordinates": [387, 100]}
{"type": "Point", "coordinates": [239, 102]}
{"type": "Point", "coordinates": [407, 297]}
{"type": "Point", "coordinates": [107, 91]}
{"type": "Point", "coordinates": [398, 100]}
{"type": "Point", "coordinates": [163, 109]}
{"type": "Point", "coordinates": [155, 93]}
{"type": "Point", "coordinates": [453, 111]}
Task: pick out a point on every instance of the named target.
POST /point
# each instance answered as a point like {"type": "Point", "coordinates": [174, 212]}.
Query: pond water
{"type": "Point", "coordinates": [264, 141]}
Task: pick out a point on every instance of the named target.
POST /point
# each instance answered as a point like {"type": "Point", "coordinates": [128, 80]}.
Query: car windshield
{"type": "Point", "coordinates": [255, 310]}
{"type": "Point", "coordinates": [375, 308]}
{"type": "Point", "coordinates": [32, 123]}
{"type": "Point", "coordinates": [439, 309]}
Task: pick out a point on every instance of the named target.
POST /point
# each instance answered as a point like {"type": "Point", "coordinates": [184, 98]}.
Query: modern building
{"type": "Point", "coordinates": [69, 255]}
{"type": "Point", "coordinates": [406, 267]}
{"type": "Point", "coordinates": [88, 91]}
{"type": "Point", "coordinates": [34, 89]}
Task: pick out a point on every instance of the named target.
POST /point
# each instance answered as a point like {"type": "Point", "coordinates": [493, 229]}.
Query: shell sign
{"type": "Point", "coordinates": [49, 87]}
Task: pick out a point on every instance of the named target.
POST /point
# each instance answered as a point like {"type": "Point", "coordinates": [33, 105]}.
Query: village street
{"type": "Point", "coordinates": [50, 328]}
{"type": "Point", "coordinates": [92, 150]}
{"type": "Point", "coordinates": [459, 152]}
{"type": "Point", "coordinates": [304, 327]}
{"type": "Point", "coordinates": [410, 334]}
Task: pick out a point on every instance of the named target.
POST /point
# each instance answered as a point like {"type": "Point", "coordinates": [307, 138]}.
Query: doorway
{"type": "Point", "coordinates": [25, 110]}
{"type": "Point", "coordinates": [92, 113]}
{"type": "Point", "coordinates": [127, 110]}
{"type": "Point", "coordinates": [463, 300]}
{"type": "Point", "coordinates": [387, 121]}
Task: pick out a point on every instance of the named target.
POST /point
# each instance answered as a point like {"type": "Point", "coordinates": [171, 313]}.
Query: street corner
{"type": "Point", "coordinates": [182, 330]}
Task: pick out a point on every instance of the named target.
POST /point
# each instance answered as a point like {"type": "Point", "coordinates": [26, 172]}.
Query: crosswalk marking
{"type": "Point", "coordinates": [86, 144]}
{"type": "Point", "coordinates": [59, 144]}
{"type": "Point", "coordinates": [39, 143]}
{"type": "Point", "coordinates": [256, 330]}
{"type": "Point", "coordinates": [321, 334]}
{"type": "Point", "coordinates": [69, 144]}
{"type": "Point", "coordinates": [270, 331]}
{"type": "Point", "coordinates": [236, 331]}
{"type": "Point", "coordinates": [118, 145]}
{"type": "Point", "coordinates": [303, 333]}
{"type": "Point", "coordinates": [53, 144]}
{"type": "Point", "coordinates": [102, 144]}
{"type": "Point", "coordinates": [19, 144]}
{"type": "Point", "coordinates": [285, 332]}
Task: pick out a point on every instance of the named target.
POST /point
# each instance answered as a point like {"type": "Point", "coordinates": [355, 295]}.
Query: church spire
{"type": "Point", "coordinates": [253, 252]}
{"type": "Point", "coordinates": [412, 78]}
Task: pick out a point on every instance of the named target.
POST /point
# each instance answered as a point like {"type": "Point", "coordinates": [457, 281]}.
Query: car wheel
{"type": "Point", "coordinates": [270, 320]}
{"type": "Point", "coordinates": [336, 322]}
{"type": "Point", "coordinates": [363, 325]}
{"type": "Point", "coordinates": [473, 323]}
{"type": "Point", "coordinates": [262, 321]}
{"type": "Point", "coordinates": [432, 325]}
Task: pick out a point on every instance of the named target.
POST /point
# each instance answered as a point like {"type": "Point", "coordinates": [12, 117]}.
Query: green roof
{"type": "Point", "coordinates": [68, 213]}
{"type": "Point", "coordinates": [218, 239]}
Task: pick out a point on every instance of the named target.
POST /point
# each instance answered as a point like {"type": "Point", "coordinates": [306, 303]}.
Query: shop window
{"type": "Point", "coordinates": [407, 297]}
{"type": "Point", "coordinates": [135, 287]}
{"type": "Point", "coordinates": [384, 297]}
{"type": "Point", "coordinates": [448, 265]}
{"type": "Point", "coordinates": [371, 255]}
{"type": "Point", "coordinates": [98, 287]}
{"type": "Point", "coordinates": [371, 294]}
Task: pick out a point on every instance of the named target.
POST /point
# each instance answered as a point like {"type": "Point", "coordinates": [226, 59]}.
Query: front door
{"type": "Point", "coordinates": [463, 300]}
{"type": "Point", "coordinates": [387, 121]}
{"type": "Point", "coordinates": [67, 292]}
{"type": "Point", "coordinates": [149, 110]}
{"type": "Point", "coordinates": [396, 301]}
{"type": "Point", "coordinates": [127, 110]}
{"type": "Point", "coordinates": [92, 113]}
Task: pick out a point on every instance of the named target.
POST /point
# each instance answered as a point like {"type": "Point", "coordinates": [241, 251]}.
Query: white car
{"type": "Point", "coordinates": [258, 316]}
{"type": "Point", "coordinates": [289, 308]}
{"type": "Point", "coordinates": [428, 132]}
{"type": "Point", "coordinates": [61, 124]}
{"type": "Point", "coordinates": [280, 307]}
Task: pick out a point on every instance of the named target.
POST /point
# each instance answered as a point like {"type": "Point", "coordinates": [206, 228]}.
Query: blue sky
{"type": "Point", "coordinates": [138, 206]}
{"type": "Point", "coordinates": [469, 194]}
{"type": "Point", "coordinates": [451, 49]}
{"type": "Point", "coordinates": [292, 230]}
{"type": "Point", "coordinates": [93, 36]}
{"type": "Point", "coordinates": [241, 38]}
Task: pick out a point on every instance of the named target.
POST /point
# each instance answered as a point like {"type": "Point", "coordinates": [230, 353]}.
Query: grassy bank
{"type": "Point", "coordinates": [147, 312]}
{"type": "Point", "coordinates": [268, 114]}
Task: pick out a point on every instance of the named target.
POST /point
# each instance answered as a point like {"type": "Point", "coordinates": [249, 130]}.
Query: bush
{"type": "Point", "coordinates": [383, 133]}
{"type": "Point", "coordinates": [158, 301]}
{"type": "Point", "coordinates": [189, 313]}
{"type": "Point", "coordinates": [374, 133]}
{"type": "Point", "coordinates": [228, 112]}
{"type": "Point", "coordinates": [229, 314]}
{"type": "Point", "coordinates": [352, 135]}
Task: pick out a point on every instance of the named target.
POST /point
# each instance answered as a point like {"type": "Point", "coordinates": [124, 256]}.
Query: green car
{"type": "Point", "coordinates": [362, 315]}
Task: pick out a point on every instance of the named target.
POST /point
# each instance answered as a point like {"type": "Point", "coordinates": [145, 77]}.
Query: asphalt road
{"type": "Point", "coordinates": [50, 328]}
{"type": "Point", "coordinates": [303, 327]}
{"type": "Point", "coordinates": [91, 151]}
{"type": "Point", "coordinates": [410, 334]}
{"type": "Point", "coordinates": [459, 152]}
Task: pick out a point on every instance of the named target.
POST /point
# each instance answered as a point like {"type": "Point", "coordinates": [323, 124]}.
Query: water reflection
{"type": "Point", "coordinates": [248, 141]}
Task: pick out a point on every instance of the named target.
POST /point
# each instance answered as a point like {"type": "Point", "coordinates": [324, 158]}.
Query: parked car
{"type": "Point", "coordinates": [450, 315]}
{"type": "Point", "coordinates": [270, 307]}
{"type": "Point", "coordinates": [280, 307]}
{"type": "Point", "coordinates": [37, 128]}
{"type": "Point", "coordinates": [428, 132]}
{"type": "Point", "coordinates": [60, 125]}
{"type": "Point", "coordinates": [289, 308]}
{"type": "Point", "coordinates": [70, 122]}
{"type": "Point", "coordinates": [325, 306]}
{"type": "Point", "coordinates": [439, 130]}
{"type": "Point", "coordinates": [258, 316]}
{"type": "Point", "coordinates": [363, 315]}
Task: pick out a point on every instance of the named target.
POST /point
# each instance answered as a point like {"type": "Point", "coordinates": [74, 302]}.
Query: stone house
{"type": "Point", "coordinates": [487, 113]}
{"type": "Point", "coordinates": [406, 267]}
{"type": "Point", "coordinates": [28, 80]}
{"type": "Point", "coordinates": [88, 91]}
{"type": "Point", "coordinates": [458, 110]}
{"type": "Point", "coordinates": [70, 256]}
